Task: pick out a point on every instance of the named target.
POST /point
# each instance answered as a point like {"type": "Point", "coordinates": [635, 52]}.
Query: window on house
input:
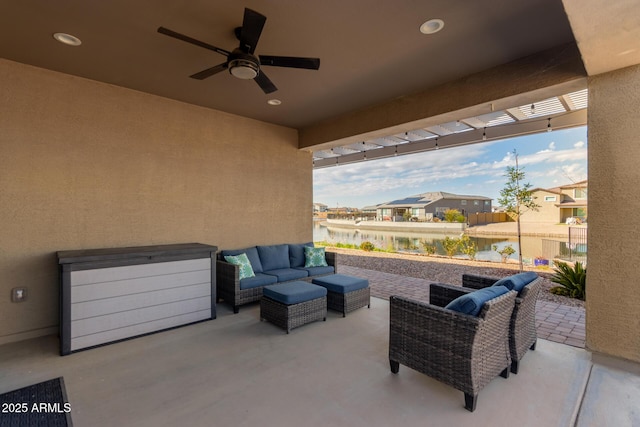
{"type": "Point", "coordinates": [550, 198]}
{"type": "Point", "coordinates": [580, 193]}
{"type": "Point", "coordinates": [463, 202]}
{"type": "Point", "coordinates": [487, 202]}
{"type": "Point", "coordinates": [415, 211]}
{"type": "Point", "coordinates": [476, 202]}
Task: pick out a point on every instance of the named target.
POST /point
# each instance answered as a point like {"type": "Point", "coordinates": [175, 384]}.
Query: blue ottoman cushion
{"type": "Point", "coordinates": [294, 292]}
{"type": "Point", "coordinates": [341, 283]}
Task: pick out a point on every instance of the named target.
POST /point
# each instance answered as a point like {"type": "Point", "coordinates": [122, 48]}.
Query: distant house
{"type": "Point", "coordinates": [426, 206]}
{"type": "Point", "coordinates": [319, 207]}
{"type": "Point", "coordinates": [559, 204]}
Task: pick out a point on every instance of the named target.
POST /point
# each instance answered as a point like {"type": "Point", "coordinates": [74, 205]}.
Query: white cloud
{"type": "Point", "coordinates": [469, 169]}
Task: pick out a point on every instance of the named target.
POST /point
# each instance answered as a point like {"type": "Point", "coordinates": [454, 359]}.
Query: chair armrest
{"type": "Point", "coordinates": [414, 322]}
{"type": "Point", "coordinates": [477, 282]}
{"type": "Point", "coordinates": [227, 275]}
{"type": "Point", "coordinates": [441, 294]}
{"type": "Point", "coordinates": [332, 260]}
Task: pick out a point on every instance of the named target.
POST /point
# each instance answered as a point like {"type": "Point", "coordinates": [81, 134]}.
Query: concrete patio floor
{"type": "Point", "coordinates": [238, 371]}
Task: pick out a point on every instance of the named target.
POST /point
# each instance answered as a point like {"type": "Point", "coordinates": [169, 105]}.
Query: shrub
{"type": "Point", "coordinates": [572, 280]}
{"type": "Point", "coordinates": [428, 248]}
{"type": "Point", "coordinates": [367, 246]}
{"type": "Point", "coordinates": [453, 215]}
{"type": "Point", "coordinates": [468, 247]}
{"type": "Point", "coordinates": [505, 252]}
{"type": "Point", "coordinates": [450, 246]}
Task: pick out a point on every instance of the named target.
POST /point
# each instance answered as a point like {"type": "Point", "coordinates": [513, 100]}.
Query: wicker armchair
{"type": "Point", "coordinates": [463, 351]}
{"type": "Point", "coordinates": [522, 330]}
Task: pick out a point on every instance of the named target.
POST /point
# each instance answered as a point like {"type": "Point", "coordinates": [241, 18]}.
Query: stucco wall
{"type": "Point", "coordinates": [613, 292]}
{"type": "Point", "coordinates": [89, 165]}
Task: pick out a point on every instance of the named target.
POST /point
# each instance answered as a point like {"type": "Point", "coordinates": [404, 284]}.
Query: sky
{"type": "Point", "coordinates": [549, 159]}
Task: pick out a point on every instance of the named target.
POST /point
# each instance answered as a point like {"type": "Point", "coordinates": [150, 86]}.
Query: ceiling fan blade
{"type": "Point", "coordinates": [265, 84]}
{"type": "Point", "coordinates": [209, 72]}
{"type": "Point", "coordinates": [171, 33]}
{"type": "Point", "coordinates": [252, 26]}
{"type": "Point", "coordinates": [290, 61]}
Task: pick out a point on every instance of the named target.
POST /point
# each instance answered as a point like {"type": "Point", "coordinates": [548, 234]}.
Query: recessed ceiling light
{"type": "Point", "coordinates": [432, 26]}
{"type": "Point", "coordinates": [67, 39]}
{"type": "Point", "coordinates": [274, 102]}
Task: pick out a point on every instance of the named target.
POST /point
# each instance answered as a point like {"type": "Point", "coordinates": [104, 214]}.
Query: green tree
{"type": "Point", "coordinates": [517, 198]}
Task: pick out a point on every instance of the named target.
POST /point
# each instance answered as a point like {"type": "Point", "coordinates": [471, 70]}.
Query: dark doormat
{"type": "Point", "coordinates": [42, 404]}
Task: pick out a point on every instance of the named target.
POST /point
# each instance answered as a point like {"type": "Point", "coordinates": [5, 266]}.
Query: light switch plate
{"type": "Point", "coordinates": [19, 294]}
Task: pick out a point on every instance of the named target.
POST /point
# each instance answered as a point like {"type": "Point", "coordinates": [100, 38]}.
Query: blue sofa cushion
{"type": "Point", "coordinates": [315, 257]}
{"type": "Point", "coordinates": [252, 254]}
{"type": "Point", "coordinates": [472, 302]}
{"type": "Point", "coordinates": [341, 283]}
{"type": "Point", "coordinates": [296, 254]}
{"type": "Point", "coordinates": [517, 282]}
{"type": "Point", "coordinates": [294, 292]}
{"type": "Point", "coordinates": [318, 271]}
{"type": "Point", "coordinates": [245, 270]}
{"type": "Point", "coordinates": [274, 257]}
{"type": "Point", "coordinates": [286, 274]}
{"type": "Point", "coordinates": [258, 280]}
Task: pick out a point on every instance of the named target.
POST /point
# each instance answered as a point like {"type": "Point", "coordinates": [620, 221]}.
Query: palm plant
{"type": "Point", "coordinates": [572, 280]}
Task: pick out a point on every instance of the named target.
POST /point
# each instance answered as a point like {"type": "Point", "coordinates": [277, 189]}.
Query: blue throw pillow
{"type": "Point", "coordinates": [517, 282]}
{"type": "Point", "coordinates": [472, 302]}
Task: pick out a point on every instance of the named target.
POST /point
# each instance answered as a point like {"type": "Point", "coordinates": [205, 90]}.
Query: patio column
{"type": "Point", "coordinates": [613, 288]}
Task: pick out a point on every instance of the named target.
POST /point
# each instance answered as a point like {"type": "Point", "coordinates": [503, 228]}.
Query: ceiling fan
{"type": "Point", "coordinates": [241, 62]}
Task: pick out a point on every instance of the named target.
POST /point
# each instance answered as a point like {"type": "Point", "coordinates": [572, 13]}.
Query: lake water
{"type": "Point", "coordinates": [413, 242]}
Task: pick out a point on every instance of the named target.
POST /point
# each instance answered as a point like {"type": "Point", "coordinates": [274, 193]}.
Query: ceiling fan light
{"type": "Point", "coordinates": [243, 69]}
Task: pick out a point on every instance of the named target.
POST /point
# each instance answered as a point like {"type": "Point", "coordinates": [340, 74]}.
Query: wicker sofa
{"type": "Point", "coordinates": [460, 350]}
{"type": "Point", "coordinates": [273, 264]}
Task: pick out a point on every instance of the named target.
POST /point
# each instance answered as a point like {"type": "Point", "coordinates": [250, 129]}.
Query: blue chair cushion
{"type": "Point", "coordinates": [294, 292]}
{"type": "Point", "coordinates": [274, 257]}
{"type": "Point", "coordinates": [472, 302]}
{"type": "Point", "coordinates": [318, 271]}
{"type": "Point", "coordinates": [341, 283]}
{"type": "Point", "coordinates": [258, 280]}
{"type": "Point", "coordinates": [296, 254]}
{"type": "Point", "coordinates": [517, 282]}
{"type": "Point", "coordinates": [286, 274]}
{"type": "Point", "coordinates": [252, 254]}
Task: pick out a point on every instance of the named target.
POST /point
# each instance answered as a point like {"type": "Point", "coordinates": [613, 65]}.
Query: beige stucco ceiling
{"type": "Point", "coordinates": [371, 51]}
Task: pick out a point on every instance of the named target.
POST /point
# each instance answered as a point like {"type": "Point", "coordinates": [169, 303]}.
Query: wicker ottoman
{"type": "Point", "coordinates": [345, 293]}
{"type": "Point", "coordinates": [293, 304]}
